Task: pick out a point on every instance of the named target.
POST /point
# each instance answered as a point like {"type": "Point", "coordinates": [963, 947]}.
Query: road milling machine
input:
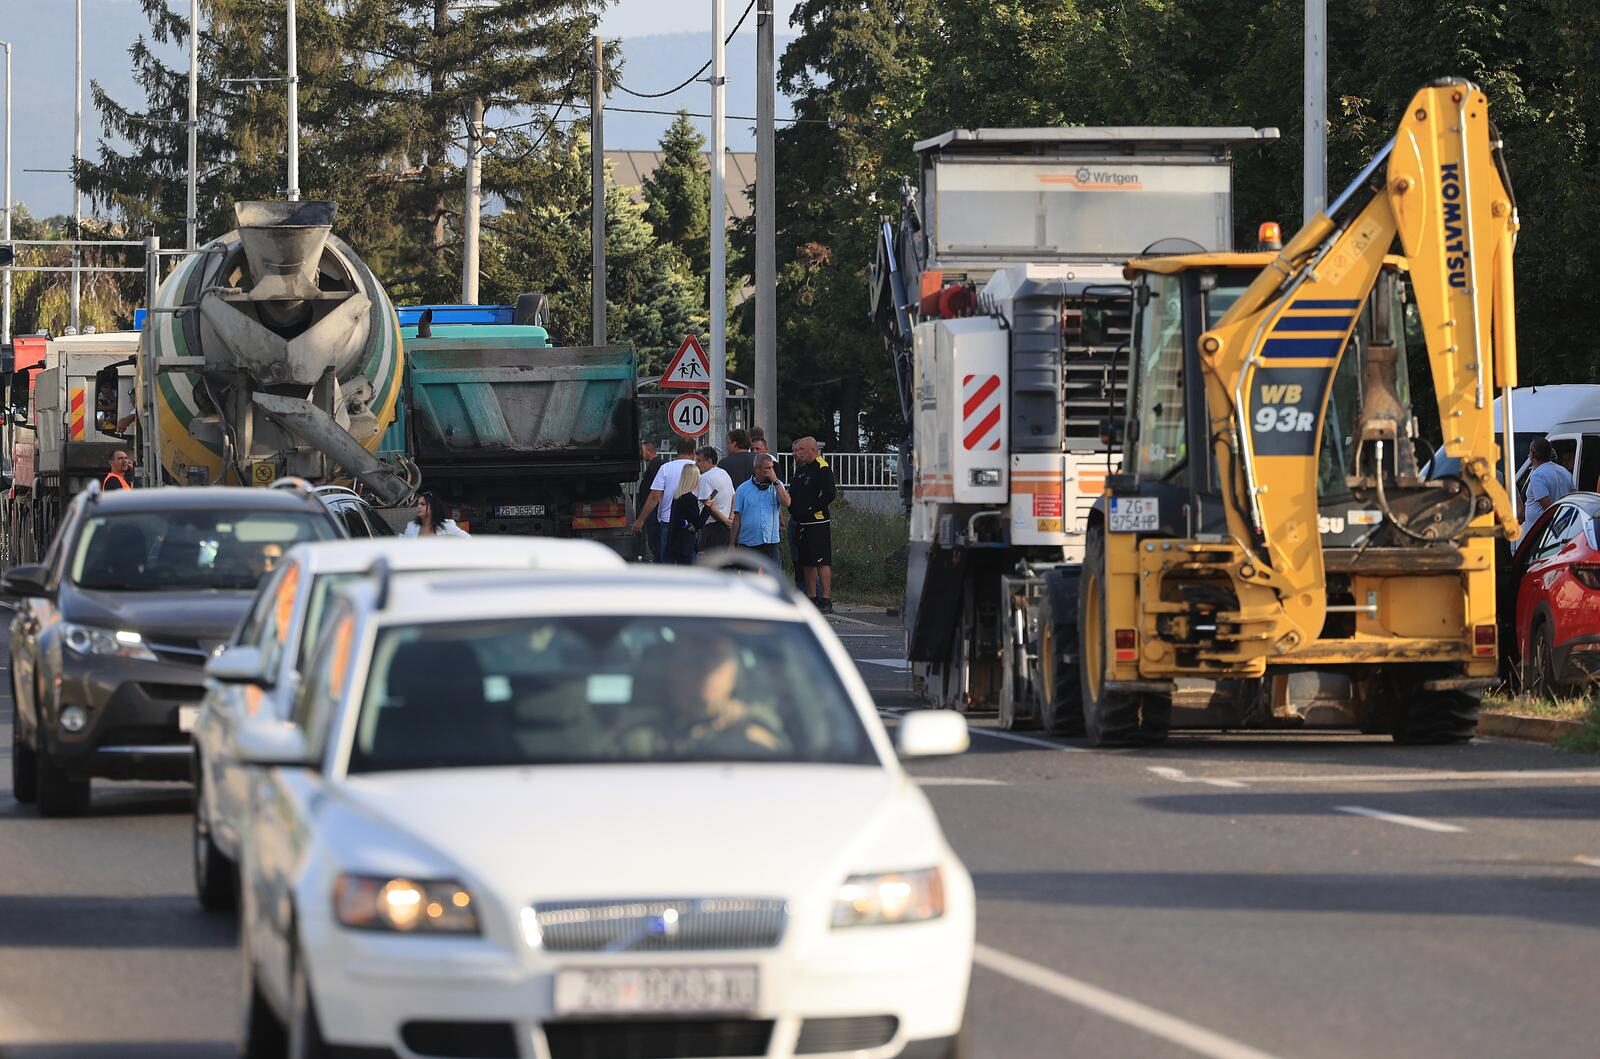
{"type": "Point", "coordinates": [1268, 555]}
{"type": "Point", "coordinates": [1002, 299]}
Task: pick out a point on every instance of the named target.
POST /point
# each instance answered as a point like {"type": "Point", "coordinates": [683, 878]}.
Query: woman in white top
{"type": "Point", "coordinates": [430, 520]}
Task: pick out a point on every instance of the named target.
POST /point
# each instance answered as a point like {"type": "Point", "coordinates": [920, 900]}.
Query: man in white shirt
{"type": "Point", "coordinates": [662, 490]}
{"type": "Point", "coordinates": [1548, 482]}
{"type": "Point", "coordinates": [716, 489]}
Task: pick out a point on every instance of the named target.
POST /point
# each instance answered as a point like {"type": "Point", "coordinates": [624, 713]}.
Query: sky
{"type": "Point", "coordinates": [664, 41]}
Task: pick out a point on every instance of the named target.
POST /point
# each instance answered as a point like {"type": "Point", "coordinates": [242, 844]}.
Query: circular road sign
{"type": "Point", "coordinates": [689, 414]}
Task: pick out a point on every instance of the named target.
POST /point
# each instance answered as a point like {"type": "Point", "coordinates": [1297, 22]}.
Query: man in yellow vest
{"type": "Point", "coordinates": [121, 467]}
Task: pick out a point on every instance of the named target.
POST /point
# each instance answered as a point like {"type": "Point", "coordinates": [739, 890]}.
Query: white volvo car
{"type": "Point", "coordinates": [642, 813]}
{"type": "Point", "coordinates": [260, 670]}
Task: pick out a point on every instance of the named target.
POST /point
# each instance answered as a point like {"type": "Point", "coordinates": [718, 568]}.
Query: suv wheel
{"type": "Point", "coordinates": [24, 764]}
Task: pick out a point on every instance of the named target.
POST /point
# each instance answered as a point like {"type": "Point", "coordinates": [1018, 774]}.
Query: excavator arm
{"type": "Point", "coordinates": [1270, 360]}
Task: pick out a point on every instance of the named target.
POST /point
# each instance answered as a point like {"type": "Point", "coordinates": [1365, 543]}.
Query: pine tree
{"type": "Point", "coordinates": [678, 193]}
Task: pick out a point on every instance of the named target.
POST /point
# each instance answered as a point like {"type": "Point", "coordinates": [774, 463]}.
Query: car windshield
{"type": "Point", "coordinates": [178, 551]}
{"type": "Point", "coordinates": [604, 689]}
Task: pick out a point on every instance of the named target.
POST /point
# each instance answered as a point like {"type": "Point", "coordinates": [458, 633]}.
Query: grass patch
{"type": "Point", "coordinates": [869, 555]}
{"type": "Point", "coordinates": [1583, 707]}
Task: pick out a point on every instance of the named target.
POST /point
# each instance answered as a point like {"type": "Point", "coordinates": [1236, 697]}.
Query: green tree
{"type": "Point", "coordinates": [678, 194]}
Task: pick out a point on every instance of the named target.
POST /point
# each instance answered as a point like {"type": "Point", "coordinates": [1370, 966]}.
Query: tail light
{"type": "Point", "coordinates": [1483, 640]}
{"type": "Point", "coordinates": [599, 516]}
{"type": "Point", "coordinates": [1587, 575]}
{"type": "Point", "coordinates": [1127, 642]}
{"type": "Point", "coordinates": [599, 510]}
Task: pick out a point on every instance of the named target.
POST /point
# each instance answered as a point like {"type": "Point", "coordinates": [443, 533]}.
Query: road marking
{"type": "Point", "coordinates": [1027, 740]}
{"type": "Point", "coordinates": [1179, 776]}
{"type": "Point", "coordinates": [887, 663]}
{"type": "Point", "coordinates": [958, 781]}
{"type": "Point", "coordinates": [1426, 777]}
{"type": "Point", "coordinates": [1588, 862]}
{"type": "Point", "coordinates": [1398, 818]}
{"type": "Point", "coordinates": [1130, 1012]}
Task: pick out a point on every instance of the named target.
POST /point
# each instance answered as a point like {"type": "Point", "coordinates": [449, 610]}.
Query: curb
{"type": "Point", "coordinates": [1532, 729]}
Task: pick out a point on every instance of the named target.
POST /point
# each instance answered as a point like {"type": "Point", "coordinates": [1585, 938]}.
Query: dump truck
{"type": "Point", "coordinates": [1001, 295]}
{"type": "Point", "coordinates": [515, 434]}
{"type": "Point", "coordinates": [1268, 554]}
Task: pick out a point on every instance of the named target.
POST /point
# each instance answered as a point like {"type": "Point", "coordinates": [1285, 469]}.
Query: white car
{"type": "Point", "coordinates": [262, 664]}
{"type": "Point", "coordinates": [651, 812]}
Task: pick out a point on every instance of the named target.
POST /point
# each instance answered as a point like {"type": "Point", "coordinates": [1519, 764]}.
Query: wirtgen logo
{"type": "Point", "coordinates": [1086, 179]}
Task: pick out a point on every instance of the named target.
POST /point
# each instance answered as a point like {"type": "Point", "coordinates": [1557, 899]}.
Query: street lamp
{"type": "Point", "coordinates": [5, 319]}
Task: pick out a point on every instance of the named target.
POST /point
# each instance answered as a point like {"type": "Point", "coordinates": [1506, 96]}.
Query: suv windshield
{"type": "Point", "coordinates": [603, 689]}
{"type": "Point", "coordinates": [177, 551]}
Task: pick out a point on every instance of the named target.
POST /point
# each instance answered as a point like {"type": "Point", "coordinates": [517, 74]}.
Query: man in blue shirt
{"type": "Point", "coordinates": [1548, 482]}
{"type": "Point", "coordinates": [755, 509]}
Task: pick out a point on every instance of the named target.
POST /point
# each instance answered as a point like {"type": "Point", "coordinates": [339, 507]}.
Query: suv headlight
{"type": "Point", "coordinates": [377, 902]}
{"type": "Point", "coordinates": [117, 643]}
{"type": "Point", "coordinates": [892, 897]}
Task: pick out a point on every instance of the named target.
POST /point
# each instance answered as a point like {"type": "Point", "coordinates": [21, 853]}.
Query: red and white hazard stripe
{"type": "Point", "coordinates": [980, 413]}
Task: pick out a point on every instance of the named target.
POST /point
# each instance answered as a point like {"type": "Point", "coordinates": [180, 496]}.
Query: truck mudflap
{"type": "Point", "coordinates": [933, 575]}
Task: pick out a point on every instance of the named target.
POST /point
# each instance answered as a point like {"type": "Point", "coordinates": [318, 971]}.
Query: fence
{"type": "Point", "coordinates": [862, 472]}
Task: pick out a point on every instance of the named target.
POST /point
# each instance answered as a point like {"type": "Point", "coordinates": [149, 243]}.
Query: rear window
{"type": "Point", "coordinates": [176, 551]}
{"type": "Point", "coordinates": [604, 689]}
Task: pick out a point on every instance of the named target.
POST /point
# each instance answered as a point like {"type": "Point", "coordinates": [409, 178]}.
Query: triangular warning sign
{"type": "Point", "coordinates": [690, 368]}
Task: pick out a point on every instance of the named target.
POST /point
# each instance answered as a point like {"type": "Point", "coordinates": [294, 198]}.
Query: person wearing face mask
{"type": "Point", "coordinates": [755, 509]}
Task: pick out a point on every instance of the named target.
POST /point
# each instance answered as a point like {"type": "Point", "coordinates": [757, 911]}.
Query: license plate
{"type": "Point", "coordinates": [1135, 514]}
{"type": "Point", "coordinates": [518, 510]}
{"type": "Point", "coordinates": [187, 715]}
{"type": "Point", "coordinates": [647, 990]}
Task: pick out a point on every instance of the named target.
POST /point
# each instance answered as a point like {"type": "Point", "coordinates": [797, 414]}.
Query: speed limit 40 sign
{"type": "Point", "coordinates": [689, 414]}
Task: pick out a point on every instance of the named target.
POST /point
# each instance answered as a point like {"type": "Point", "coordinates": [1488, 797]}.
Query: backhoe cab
{"type": "Point", "coordinates": [1269, 554]}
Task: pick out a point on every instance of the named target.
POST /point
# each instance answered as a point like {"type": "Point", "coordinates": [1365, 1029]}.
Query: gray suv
{"type": "Point", "coordinates": [113, 629]}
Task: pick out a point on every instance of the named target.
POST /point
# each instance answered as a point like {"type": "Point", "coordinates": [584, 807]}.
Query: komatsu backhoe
{"type": "Point", "coordinates": [1268, 555]}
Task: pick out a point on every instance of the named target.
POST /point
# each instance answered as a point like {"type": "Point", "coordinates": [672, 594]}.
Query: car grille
{"type": "Point", "coordinates": [852, 1034]}
{"type": "Point", "coordinates": [182, 651]}
{"type": "Point", "coordinates": [685, 1039]}
{"type": "Point", "coordinates": [662, 924]}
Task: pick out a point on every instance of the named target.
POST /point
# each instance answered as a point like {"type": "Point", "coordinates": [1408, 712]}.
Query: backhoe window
{"type": "Point", "coordinates": [1162, 445]}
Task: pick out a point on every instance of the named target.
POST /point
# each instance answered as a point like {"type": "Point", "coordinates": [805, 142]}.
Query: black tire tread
{"type": "Point", "coordinates": [24, 762]}
{"type": "Point", "coordinates": [1113, 721]}
{"type": "Point", "coordinates": [1061, 704]}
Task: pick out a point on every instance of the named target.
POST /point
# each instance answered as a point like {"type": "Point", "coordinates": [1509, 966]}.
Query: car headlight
{"type": "Point", "coordinates": [892, 897]}
{"type": "Point", "coordinates": [115, 643]}
{"type": "Point", "coordinates": [409, 906]}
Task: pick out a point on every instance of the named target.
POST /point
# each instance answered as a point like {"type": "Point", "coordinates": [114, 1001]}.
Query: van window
{"type": "Point", "coordinates": [1587, 473]}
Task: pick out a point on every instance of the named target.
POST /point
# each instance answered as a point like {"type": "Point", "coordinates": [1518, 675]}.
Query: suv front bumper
{"type": "Point", "coordinates": [133, 718]}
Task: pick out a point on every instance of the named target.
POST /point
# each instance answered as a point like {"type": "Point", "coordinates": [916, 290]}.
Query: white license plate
{"type": "Point", "coordinates": [518, 510]}
{"type": "Point", "coordinates": [646, 990]}
{"type": "Point", "coordinates": [1135, 514]}
{"type": "Point", "coordinates": [187, 715]}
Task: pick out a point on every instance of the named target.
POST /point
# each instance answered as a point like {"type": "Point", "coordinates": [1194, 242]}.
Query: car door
{"type": "Point", "coordinates": [34, 616]}
{"type": "Point", "coordinates": [1545, 567]}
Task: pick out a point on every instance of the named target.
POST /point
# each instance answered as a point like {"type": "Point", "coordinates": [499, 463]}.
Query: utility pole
{"type": "Point", "coordinates": [766, 223]}
{"type": "Point", "coordinates": [719, 232]}
{"type": "Point", "coordinates": [471, 216]}
{"type": "Point", "coordinates": [1316, 153]}
{"type": "Point", "coordinates": [5, 319]}
{"type": "Point", "coordinates": [191, 219]}
{"type": "Point", "coordinates": [77, 195]}
{"type": "Point", "coordinates": [292, 76]}
{"type": "Point", "coordinates": [597, 196]}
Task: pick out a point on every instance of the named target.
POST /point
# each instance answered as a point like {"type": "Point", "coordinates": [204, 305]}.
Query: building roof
{"type": "Point", "coordinates": [629, 168]}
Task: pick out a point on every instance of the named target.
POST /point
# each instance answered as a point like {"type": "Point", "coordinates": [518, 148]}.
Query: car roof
{"type": "Point", "coordinates": [635, 589]}
{"type": "Point", "coordinates": [204, 498]}
{"type": "Point", "coordinates": [446, 553]}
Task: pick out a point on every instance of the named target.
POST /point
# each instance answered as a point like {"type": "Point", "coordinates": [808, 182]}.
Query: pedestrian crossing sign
{"type": "Point", "coordinates": [690, 368]}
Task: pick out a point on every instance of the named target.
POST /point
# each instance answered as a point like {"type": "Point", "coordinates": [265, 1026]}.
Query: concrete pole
{"type": "Point", "coordinates": [718, 302]}
{"type": "Point", "coordinates": [292, 75]}
{"type": "Point", "coordinates": [471, 215]}
{"type": "Point", "coordinates": [597, 197]}
{"type": "Point", "coordinates": [149, 426]}
{"type": "Point", "coordinates": [1316, 92]}
{"type": "Point", "coordinates": [766, 293]}
{"type": "Point", "coordinates": [77, 196]}
{"type": "Point", "coordinates": [191, 221]}
{"type": "Point", "coordinates": [5, 320]}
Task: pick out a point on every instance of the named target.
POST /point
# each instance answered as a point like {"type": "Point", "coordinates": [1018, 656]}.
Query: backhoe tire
{"type": "Point", "coordinates": [1058, 687]}
{"type": "Point", "coordinates": [1110, 718]}
{"type": "Point", "coordinates": [1437, 718]}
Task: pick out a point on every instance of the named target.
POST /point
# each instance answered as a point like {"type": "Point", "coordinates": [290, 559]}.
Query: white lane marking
{"type": "Point", "coordinates": [1427, 777]}
{"type": "Point", "coordinates": [1027, 740]}
{"type": "Point", "coordinates": [887, 663]}
{"type": "Point", "coordinates": [1130, 1012]}
{"type": "Point", "coordinates": [1588, 862]}
{"type": "Point", "coordinates": [1179, 776]}
{"type": "Point", "coordinates": [1398, 818]}
{"type": "Point", "coordinates": [958, 781]}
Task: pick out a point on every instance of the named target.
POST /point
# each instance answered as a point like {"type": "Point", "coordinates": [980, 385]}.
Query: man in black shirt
{"type": "Point", "coordinates": [810, 493]}
{"type": "Point", "coordinates": [740, 462]}
{"type": "Point", "coordinates": [652, 464]}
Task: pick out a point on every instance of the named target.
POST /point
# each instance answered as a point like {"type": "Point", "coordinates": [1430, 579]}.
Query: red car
{"type": "Point", "coordinates": [1557, 576]}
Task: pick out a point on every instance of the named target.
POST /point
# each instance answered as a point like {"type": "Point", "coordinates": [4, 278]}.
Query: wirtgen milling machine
{"type": "Point", "coordinates": [1268, 555]}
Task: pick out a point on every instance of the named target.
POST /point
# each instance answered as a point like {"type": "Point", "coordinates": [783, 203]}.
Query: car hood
{"type": "Point", "coordinates": [637, 831]}
{"type": "Point", "coordinates": [209, 617]}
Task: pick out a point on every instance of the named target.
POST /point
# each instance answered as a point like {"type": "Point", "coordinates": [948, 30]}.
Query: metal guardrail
{"type": "Point", "coordinates": [861, 471]}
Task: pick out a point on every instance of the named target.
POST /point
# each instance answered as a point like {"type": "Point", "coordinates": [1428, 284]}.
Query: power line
{"type": "Point", "coordinates": [692, 78]}
{"type": "Point", "coordinates": [731, 117]}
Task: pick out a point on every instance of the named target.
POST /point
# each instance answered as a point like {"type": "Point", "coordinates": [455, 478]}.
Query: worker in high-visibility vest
{"type": "Point", "coordinates": [121, 467]}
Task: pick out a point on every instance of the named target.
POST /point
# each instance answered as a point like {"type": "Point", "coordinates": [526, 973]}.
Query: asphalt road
{"type": "Point", "coordinates": [1231, 897]}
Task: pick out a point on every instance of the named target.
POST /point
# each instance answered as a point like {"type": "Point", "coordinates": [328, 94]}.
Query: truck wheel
{"type": "Point", "coordinates": [1110, 718]}
{"type": "Point", "coordinates": [24, 764]}
{"type": "Point", "coordinates": [1436, 718]}
{"type": "Point", "coordinates": [59, 793]}
{"type": "Point", "coordinates": [1060, 695]}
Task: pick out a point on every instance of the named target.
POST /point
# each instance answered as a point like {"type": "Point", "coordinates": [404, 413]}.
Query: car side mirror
{"type": "Point", "coordinates": [931, 733]}
{"type": "Point", "coordinates": [18, 399]}
{"type": "Point", "coordinates": [266, 742]}
{"type": "Point", "coordinates": [240, 664]}
{"type": "Point", "coordinates": [21, 582]}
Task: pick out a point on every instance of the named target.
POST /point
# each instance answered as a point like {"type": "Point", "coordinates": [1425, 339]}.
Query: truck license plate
{"type": "Point", "coordinates": [518, 510]}
{"type": "Point", "coordinates": [1135, 514]}
{"type": "Point", "coordinates": [646, 990]}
